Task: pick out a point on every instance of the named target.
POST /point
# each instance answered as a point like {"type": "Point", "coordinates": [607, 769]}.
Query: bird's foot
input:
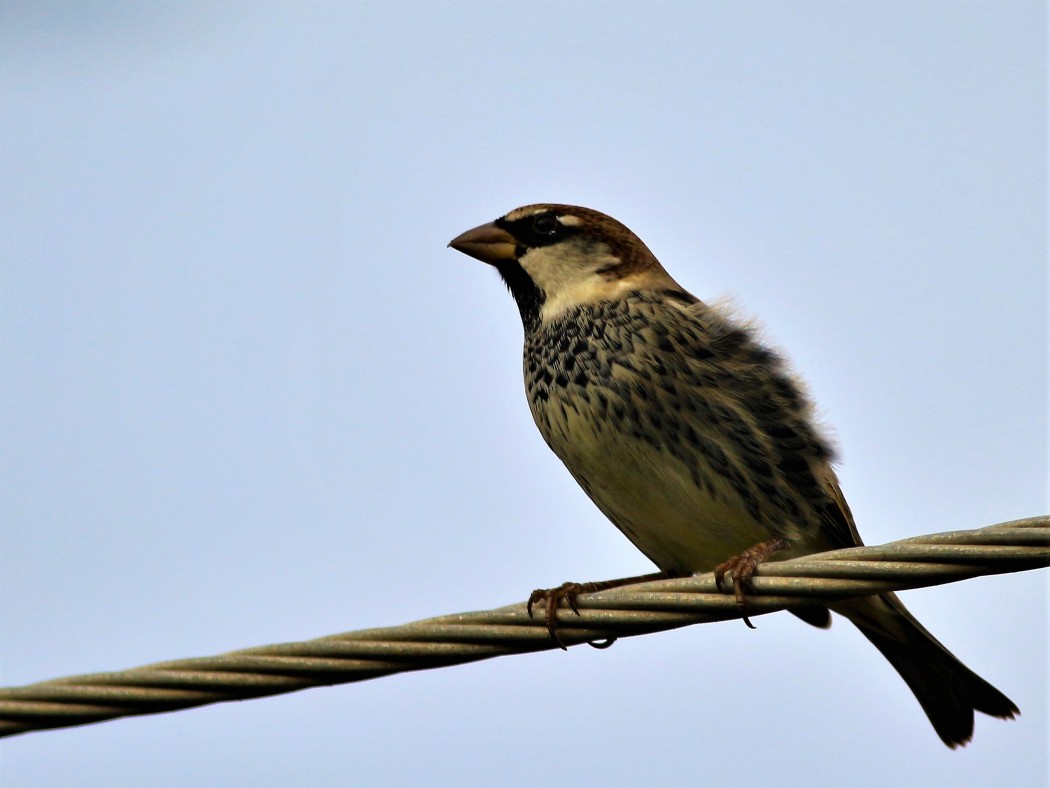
{"type": "Point", "coordinates": [743, 567]}
{"type": "Point", "coordinates": [551, 598]}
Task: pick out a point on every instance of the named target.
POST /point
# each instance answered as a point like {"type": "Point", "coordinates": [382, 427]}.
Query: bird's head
{"type": "Point", "coordinates": [557, 257]}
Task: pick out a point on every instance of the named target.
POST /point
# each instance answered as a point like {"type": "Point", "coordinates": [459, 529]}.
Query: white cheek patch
{"type": "Point", "coordinates": [568, 276]}
{"type": "Point", "coordinates": [590, 292]}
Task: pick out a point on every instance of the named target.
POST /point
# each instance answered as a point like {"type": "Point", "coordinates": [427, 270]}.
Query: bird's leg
{"type": "Point", "coordinates": [552, 597]}
{"type": "Point", "coordinates": [743, 566]}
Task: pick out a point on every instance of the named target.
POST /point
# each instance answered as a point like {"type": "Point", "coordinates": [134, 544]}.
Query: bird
{"type": "Point", "coordinates": [690, 434]}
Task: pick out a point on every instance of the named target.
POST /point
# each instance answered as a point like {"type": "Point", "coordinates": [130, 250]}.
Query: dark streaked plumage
{"type": "Point", "coordinates": [687, 432]}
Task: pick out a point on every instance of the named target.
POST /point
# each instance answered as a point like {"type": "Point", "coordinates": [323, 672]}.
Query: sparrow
{"type": "Point", "coordinates": [689, 434]}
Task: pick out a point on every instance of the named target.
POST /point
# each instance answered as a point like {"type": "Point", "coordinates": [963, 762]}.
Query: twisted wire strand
{"type": "Point", "coordinates": [467, 637]}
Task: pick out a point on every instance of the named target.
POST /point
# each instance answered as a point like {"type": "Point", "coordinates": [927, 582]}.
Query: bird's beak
{"type": "Point", "coordinates": [487, 243]}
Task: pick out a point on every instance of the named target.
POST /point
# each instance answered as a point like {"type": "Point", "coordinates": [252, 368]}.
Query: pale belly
{"type": "Point", "coordinates": [655, 499]}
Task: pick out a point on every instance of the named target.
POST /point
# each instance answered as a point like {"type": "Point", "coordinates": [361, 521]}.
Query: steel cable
{"type": "Point", "coordinates": [467, 637]}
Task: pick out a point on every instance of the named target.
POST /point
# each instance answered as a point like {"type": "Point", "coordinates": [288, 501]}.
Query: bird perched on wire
{"type": "Point", "coordinates": [688, 433]}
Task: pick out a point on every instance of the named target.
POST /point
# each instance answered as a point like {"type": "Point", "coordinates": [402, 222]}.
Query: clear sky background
{"type": "Point", "coordinates": [248, 396]}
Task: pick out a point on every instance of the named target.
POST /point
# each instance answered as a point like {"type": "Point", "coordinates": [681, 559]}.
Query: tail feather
{"type": "Point", "coordinates": [948, 691]}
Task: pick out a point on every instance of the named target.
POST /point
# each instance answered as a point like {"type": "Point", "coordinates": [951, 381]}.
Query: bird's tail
{"type": "Point", "coordinates": [948, 691]}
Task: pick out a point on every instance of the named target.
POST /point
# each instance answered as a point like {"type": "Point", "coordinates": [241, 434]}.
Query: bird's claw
{"type": "Point", "coordinates": [743, 567]}
{"type": "Point", "coordinates": [551, 598]}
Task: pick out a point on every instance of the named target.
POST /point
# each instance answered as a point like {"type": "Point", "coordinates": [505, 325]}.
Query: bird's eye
{"type": "Point", "coordinates": [545, 224]}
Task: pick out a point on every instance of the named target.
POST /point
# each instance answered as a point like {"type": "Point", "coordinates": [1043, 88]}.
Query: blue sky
{"type": "Point", "coordinates": [250, 397]}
